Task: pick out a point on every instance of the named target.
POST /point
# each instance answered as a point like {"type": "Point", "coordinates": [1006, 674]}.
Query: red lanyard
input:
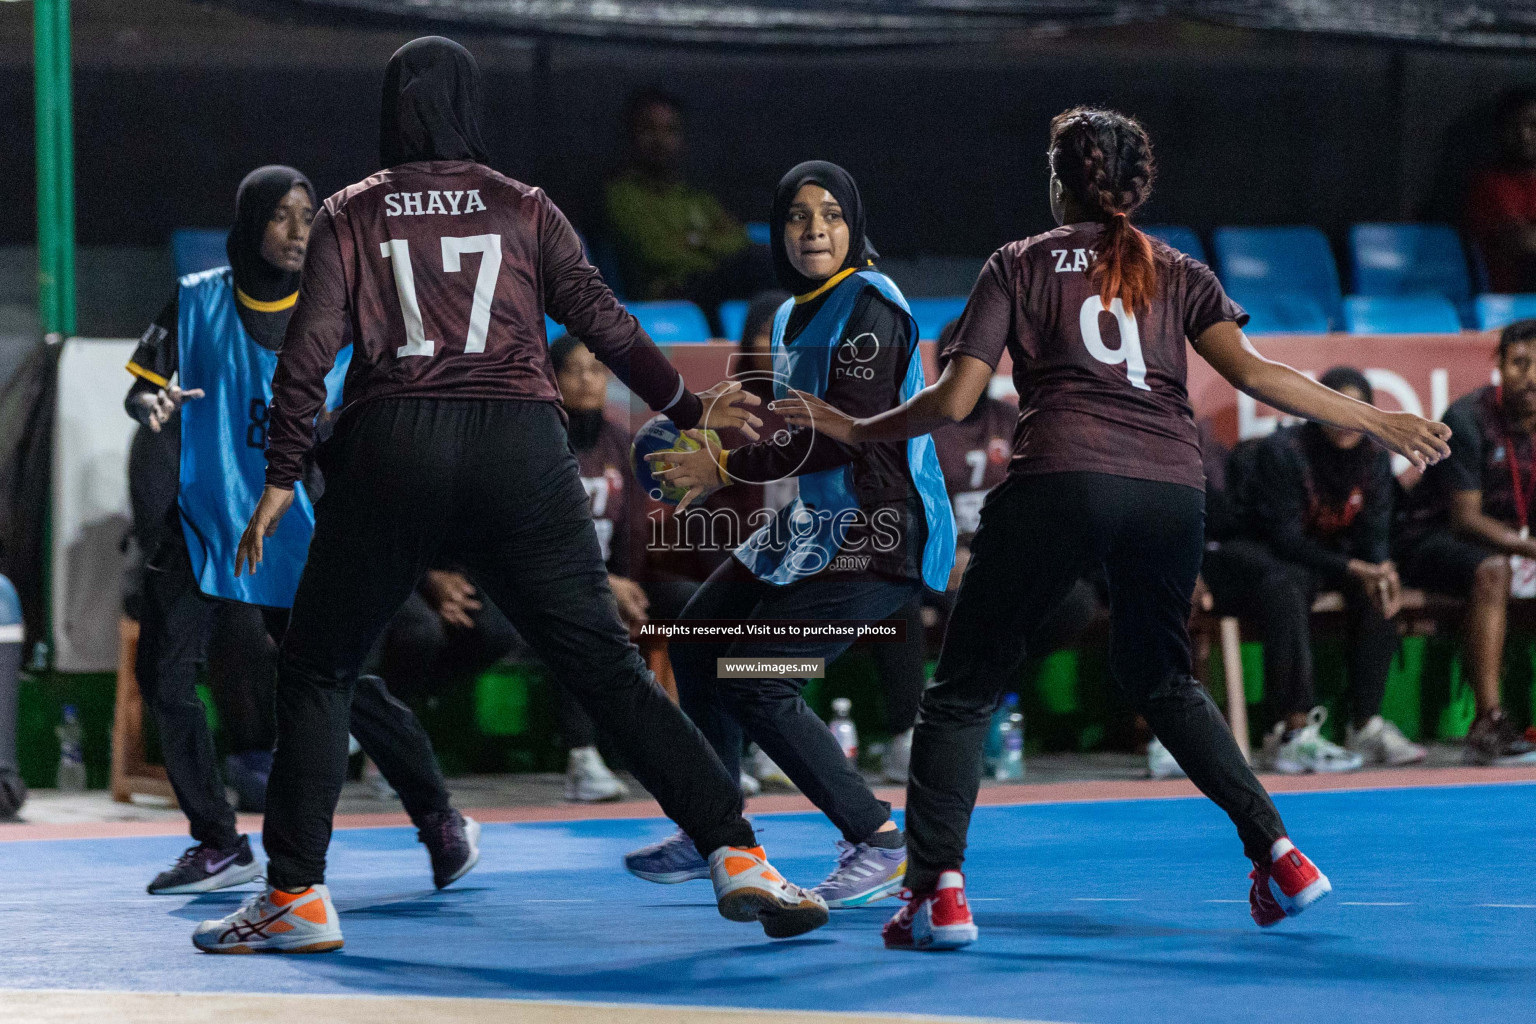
{"type": "Point", "coordinates": [1523, 495]}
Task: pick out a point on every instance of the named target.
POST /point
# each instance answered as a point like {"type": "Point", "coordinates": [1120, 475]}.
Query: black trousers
{"type": "Point", "coordinates": [492, 486]}
{"type": "Point", "coordinates": [180, 628]}
{"type": "Point", "coordinates": [901, 668]}
{"type": "Point", "coordinates": [422, 655]}
{"type": "Point", "coordinates": [1038, 536]}
{"type": "Point", "coordinates": [1250, 581]}
{"type": "Point", "coordinates": [770, 709]}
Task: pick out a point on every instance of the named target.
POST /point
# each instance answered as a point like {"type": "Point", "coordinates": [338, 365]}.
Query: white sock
{"type": "Point", "coordinates": [950, 880]}
{"type": "Point", "coordinates": [1282, 847]}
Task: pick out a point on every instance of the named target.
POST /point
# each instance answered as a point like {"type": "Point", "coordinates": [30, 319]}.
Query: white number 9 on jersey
{"type": "Point", "coordinates": [1129, 351]}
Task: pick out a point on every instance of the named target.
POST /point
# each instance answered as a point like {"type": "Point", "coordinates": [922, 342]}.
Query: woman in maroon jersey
{"type": "Point", "coordinates": [450, 448]}
{"type": "Point", "coordinates": [1106, 471]}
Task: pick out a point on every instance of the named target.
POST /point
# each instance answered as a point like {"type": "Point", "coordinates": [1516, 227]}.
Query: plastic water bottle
{"type": "Point", "coordinates": [71, 778]}
{"type": "Point", "coordinates": [1005, 741]}
{"type": "Point", "coordinates": [843, 729]}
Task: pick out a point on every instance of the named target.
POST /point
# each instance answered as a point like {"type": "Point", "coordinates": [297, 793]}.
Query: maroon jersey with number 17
{"type": "Point", "coordinates": [439, 275]}
{"type": "Point", "coordinates": [1101, 390]}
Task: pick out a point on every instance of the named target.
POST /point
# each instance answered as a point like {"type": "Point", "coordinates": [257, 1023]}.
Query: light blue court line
{"type": "Point", "coordinates": [1128, 911]}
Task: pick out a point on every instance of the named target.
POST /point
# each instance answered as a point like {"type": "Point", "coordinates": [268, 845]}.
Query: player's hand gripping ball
{"type": "Point", "coordinates": [660, 434]}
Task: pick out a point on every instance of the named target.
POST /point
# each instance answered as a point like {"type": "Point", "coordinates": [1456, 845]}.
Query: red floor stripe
{"type": "Point", "coordinates": [1042, 793]}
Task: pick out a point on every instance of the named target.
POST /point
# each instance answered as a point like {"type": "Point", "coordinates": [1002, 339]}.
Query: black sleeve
{"type": "Point", "coordinates": [154, 361]}
{"type": "Point", "coordinates": [867, 369]}
{"type": "Point", "coordinates": [1372, 531]}
{"type": "Point", "coordinates": [1463, 471]}
{"type": "Point", "coordinates": [1280, 506]}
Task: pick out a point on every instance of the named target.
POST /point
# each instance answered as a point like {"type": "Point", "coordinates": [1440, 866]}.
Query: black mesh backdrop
{"type": "Point", "coordinates": [1472, 23]}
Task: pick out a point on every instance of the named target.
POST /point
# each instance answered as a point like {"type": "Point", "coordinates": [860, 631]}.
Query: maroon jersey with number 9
{"type": "Point", "coordinates": [1100, 390]}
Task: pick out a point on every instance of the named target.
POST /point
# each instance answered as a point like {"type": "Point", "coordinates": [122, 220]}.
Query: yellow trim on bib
{"type": "Point", "coordinates": [827, 285]}
{"type": "Point", "coordinates": [275, 306]}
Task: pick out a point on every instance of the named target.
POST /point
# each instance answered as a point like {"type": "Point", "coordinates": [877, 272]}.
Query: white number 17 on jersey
{"type": "Point", "coordinates": [398, 252]}
{"type": "Point", "coordinates": [1129, 351]}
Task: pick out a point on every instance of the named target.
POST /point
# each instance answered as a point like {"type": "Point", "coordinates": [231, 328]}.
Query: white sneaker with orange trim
{"type": "Point", "coordinates": [273, 921]}
{"type": "Point", "coordinates": [747, 888]}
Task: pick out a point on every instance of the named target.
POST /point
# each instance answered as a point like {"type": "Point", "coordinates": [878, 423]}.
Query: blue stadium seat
{"type": "Point", "coordinates": [1258, 262]}
{"type": "Point", "coordinates": [758, 232]}
{"type": "Point", "coordinates": [194, 249]}
{"type": "Point", "coordinates": [1285, 314]}
{"type": "Point", "coordinates": [1409, 259]}
{"type": "Point", "coordinates": [1400, 314]}
{"type": "Point", "coordinates": [733, 317]}
{"type": "Point", "coordinates": [933, 314]}
{"type": "Point", "coordinates": [1176, 236]}
{"type": "Point", "coordinates": [602, 255]}
{"type": "Point", "coordinates": [671, 322]}
{"type": "Point", "coordinates": [1491, 312]}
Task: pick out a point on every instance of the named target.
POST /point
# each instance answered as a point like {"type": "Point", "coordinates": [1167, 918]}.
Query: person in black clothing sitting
{"type": "Point", "coordinates": [1315, 506]}
{"type": "Point", "coordinates": [1464, 531]}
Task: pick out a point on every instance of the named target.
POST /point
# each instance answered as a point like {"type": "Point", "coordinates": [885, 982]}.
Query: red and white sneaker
{"type": "Point", "coordinates": [1286, 886]}
{"type": "Point", "coordinates": [940, 919]}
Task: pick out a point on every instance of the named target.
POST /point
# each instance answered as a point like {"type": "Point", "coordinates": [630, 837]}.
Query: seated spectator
{"type": "Point", "coordinates": [1316, 506]}
{"type": "Point", "coordinates": [1464, 531]}
{"type": "Point", "coordinates": [1500, 209]}
{"type": "Point", "coordinates": [674, 240]}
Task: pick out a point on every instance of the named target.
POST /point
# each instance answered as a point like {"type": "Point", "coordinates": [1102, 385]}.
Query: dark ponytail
{"type": "Point", "coordinates": [1104, 160]}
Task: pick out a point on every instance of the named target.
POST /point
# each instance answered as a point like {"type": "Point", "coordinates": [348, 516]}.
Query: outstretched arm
{"type": "Point", "coordinates": [576, 296]}
{"type": "Point", "coordinates": [1229, 352]}
{"type": "Point", "coordinates": [947, 400]}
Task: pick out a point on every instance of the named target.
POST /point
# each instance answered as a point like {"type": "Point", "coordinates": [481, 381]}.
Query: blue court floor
{"type": "Point", "coordinates": [1116, 911]}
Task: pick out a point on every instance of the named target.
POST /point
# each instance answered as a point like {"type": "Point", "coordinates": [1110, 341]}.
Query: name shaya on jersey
{"type": "Point", "coordinates": [419, 204]}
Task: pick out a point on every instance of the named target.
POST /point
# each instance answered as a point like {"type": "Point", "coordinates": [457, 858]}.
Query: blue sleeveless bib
{"type": "Point", "coordinates": [223, 446]}
{"type": "Point", "coordinates": [807, 535]}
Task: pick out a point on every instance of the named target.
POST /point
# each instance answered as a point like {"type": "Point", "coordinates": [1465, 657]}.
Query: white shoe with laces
{"type": "Point", "coordinates": [588, 780]}
{"type": "Point", "coordinates": [897, 760]}
{"type": "Point", "coordinates": [747, 888]}
{"type": "Point", "coordinates": [770, 774]}
{"type": "Point", "coordinates": [1160, 763]}
{"type": "Point", "coordinates": [273, 921]}
{"type": "Point", "coordinates": [1382, 742]}
{"type": "Point", "coordinates": [1307, 751]}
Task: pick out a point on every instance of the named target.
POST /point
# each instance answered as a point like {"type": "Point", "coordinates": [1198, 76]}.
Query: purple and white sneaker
{"type": "Point", "coordinates": [674, 859]}
{"type": "Point", "coordinates": [863, 875]}
{"type": "Point", "coordinates": [204, 868]}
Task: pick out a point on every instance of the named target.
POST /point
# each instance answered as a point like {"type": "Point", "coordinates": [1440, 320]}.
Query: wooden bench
{"type": "Point", "coordinates": [131, 773]}
{"type": "Point", "coordinates": [1421, 613]}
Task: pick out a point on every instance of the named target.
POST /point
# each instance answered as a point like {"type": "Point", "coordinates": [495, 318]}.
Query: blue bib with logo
{"type": "Point", "coordinates": [223, 446]}
{"type": "Point", "coordinates": [807, 535]}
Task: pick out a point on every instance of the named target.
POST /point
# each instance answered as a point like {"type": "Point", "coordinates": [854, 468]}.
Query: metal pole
{"type": "Point", "coordinates": [64, 162]}
{"type": "Point", "coordinates": [44, 51]}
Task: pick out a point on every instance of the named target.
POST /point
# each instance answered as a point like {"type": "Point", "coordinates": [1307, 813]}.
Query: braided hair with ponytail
{"type": "Point", "coordinates": [1104, 161]}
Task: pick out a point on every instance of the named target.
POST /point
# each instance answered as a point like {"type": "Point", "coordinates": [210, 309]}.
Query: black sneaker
{"type": "Point", "coordinates": [247, 775]}
{"type": "Point", "coordinates": [204, 868]}
{"type": "Point", "coordinates": [1494, 740]}
{"type": "Point", "coordinates": [453, 841]}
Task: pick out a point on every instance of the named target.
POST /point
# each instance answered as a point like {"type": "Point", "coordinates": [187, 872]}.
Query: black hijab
{"type": "Point", "coordinates": [255, 203]}
{"type": "Point", "coordinates": [1338, 471]}
{"type": "Point", "coordinates": [431, 104]}
{"type": "Point", "coordinates": [843, 188]}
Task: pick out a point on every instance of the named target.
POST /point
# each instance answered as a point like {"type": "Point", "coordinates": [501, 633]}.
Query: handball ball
{"type": "Point", "coordinates": [659, 435]}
